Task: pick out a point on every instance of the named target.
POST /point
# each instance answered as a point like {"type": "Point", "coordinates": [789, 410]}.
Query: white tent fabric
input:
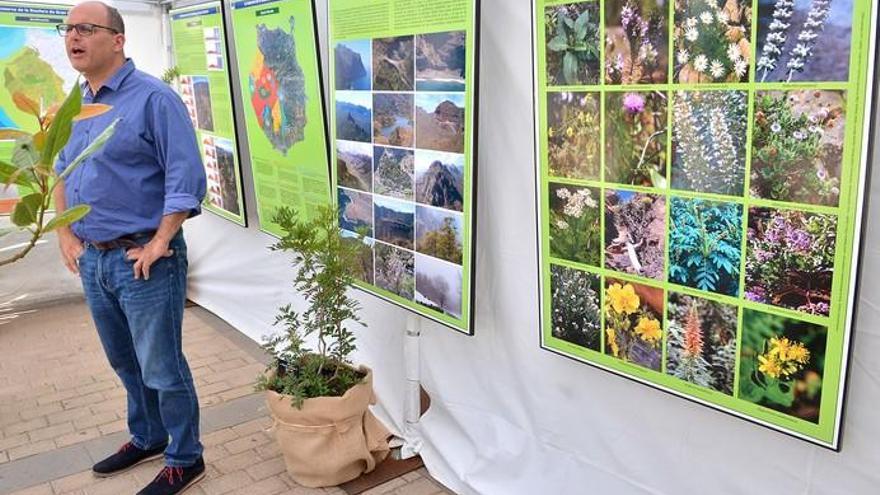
{"type": "Point", "coordinates": [510, 418]}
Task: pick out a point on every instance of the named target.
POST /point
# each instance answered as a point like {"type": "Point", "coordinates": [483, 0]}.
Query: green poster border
{"type": "Point", "coordinates": [240, 219]}
{"type": "Point", "coordinates": [265, 224]}
{"type": "Point", "coordinates": [858, 143]}
{"type": "Point", "coordinates": [465, 324]}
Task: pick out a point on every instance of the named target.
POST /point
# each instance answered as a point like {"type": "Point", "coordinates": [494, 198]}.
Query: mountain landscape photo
{"type": "Point", "coordinates": [395, 270]}
{"type": "Point", "coordinates": [354, 165]}
{"type": "Point", "coordinates": [393, 64]}
{"type": "Point", "coordinates": [439, 233]}
{"type": "Point", "coordinates": [352, 65]}
{"type": "Point", "coordinates": [440, 180]}
{"type": "Point", "coordinates": [355, 211]}
{"type": "Point", "coordinates": [393, 174]}
{"type": "Point", "coordinates": [438, 285]}
{"type": "Point", "coordinates": [353, 116]}
{"type": "Point", "coordinates": [440, 122]}
{"type": "Point", "coordinates": [202, 96]}
{"type": "Point", "coordinates": [393, 119]}
{"type": "Point", "coordinates": [394, 222]}
{"type": "Point", "coordinates": [364, 257]}
{"type": "Point", "coordinates": [440, 61]}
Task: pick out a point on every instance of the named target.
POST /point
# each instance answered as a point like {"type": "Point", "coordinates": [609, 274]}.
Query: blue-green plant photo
{"type": "Point", "coordinates": [705, 245]}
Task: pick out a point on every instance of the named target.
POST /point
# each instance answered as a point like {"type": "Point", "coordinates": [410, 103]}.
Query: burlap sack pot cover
{"type": "Point", "coordinates": [330, 440]}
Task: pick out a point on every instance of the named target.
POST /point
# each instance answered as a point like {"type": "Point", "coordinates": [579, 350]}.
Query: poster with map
{"type": "Point", "coordinates": [277, 53]}
{"type": "Point", "coordinates": [33, 61]}
{"type": "Point", "coordinates": [403, 127]}
{"type": "Point", "coordinates": [701, 172]}
{"type": "Point", "coordinates": [199, 47]}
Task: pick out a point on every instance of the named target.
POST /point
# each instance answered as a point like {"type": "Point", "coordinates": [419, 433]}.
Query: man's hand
{"type": "Point", "coordinates": [71, 249]}
{"type": "Point", "coordinates": [145, 256]}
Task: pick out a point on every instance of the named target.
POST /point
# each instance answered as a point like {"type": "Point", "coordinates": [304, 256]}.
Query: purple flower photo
{"type": "Point", "coordinates": [790, 259]}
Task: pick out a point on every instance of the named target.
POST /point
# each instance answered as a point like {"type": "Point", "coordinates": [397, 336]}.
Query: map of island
{"type": "Point", "coordinates": [32, 62]}
{"type": "Point", "coordinates": [277, 88]}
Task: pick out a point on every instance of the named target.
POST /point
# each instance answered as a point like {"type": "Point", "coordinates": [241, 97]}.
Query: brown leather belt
{"type": "Point", "coordinates": [124, 242]}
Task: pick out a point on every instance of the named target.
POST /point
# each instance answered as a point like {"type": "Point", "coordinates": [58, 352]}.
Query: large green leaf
{"type": "Point", "coordinates": [25, 212]}
{"type": "Point", "coordinates": [580, 25]}
{"type": "Point", "coordinates": [91, 148]}
{"type": "Point", "coordinates": [25, 154]}
{"type": "Point", "coordinates": [558, 44]}
{"type": "Point", "coordinates": [62, 124]}
{"type": "Point", "coordinates": [69, 216]}
{"type": "Point", "coordinates": [569, 68]}
{"type": "Point", "coordinates": [10, 174]}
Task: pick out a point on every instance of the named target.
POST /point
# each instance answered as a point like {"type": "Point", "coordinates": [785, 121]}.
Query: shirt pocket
{"type": "Point", "coordinates": [124, 144]}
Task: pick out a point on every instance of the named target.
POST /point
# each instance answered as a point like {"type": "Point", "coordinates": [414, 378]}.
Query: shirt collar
{"type": "Point", "coordinates": [115, 80]}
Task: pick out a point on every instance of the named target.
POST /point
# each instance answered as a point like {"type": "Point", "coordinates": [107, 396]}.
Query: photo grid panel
{"type": "Point", "coordinates": [400, 163]}
{"type": "Point", "coordinates": [693, 172]}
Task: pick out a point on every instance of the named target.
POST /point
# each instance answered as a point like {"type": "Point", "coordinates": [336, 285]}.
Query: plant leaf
{"type": "Point", "coordinates": [25, 104]}
{"type": "Point", "coordinates": [25, 212]}
{"type": "Point", "coordinates": [658, 180]}
{"type": "Point", "coordinates": [12, 134]}
{"type": "Point", "coordinates": [62, 124]}
{"type": "Point", "coordinates": [569, 68]}
{"type": "Point", "coordinates": [90, 149]}
{"type": "Point", "coordinates": [10, 174]}
{"type": "Point", "coordinates": [91, 110]}
{"type": "Point", "coordinates": [69, 216]}
{"type": "Point", "coordinates": [558, 44]}
{"type": "Point", "coordinates": [580, 25]}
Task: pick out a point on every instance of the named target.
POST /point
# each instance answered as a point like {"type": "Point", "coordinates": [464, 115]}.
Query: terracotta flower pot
{"type": "Point", "coordinates": [330, 440]}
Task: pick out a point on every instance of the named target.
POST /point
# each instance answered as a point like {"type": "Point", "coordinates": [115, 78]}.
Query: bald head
{"type": "Point", "coordinates": [99, 53]}
{"type": "Point", "coordinates": [113, 18]}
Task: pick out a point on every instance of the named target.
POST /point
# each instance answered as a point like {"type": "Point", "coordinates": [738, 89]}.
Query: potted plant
{"type": "Point", "coordinates": [318, 399]}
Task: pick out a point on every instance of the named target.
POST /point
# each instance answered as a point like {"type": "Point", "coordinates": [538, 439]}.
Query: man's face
{"type": "Point", "coordinates": [91, 54]}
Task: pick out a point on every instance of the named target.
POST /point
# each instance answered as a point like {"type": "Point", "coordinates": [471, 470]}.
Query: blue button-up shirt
{"type": "Point", "coordinates": [149, 168]}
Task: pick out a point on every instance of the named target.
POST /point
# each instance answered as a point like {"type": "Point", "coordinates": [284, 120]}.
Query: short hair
{"type": "Point", "coordinates": [116, 21]}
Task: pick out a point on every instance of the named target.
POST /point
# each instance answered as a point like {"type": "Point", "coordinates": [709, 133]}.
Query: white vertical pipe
{"type": "Point", "coordinates": [412, 403]}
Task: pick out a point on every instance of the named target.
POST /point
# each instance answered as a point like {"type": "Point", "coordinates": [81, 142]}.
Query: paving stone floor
{"type": "Point", "coordinates": [62, 408]}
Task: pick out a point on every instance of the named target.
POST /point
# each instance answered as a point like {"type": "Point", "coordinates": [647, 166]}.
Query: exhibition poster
{"type": "Point", "coordinates": [701, 172]}
{"type": "Point", "coordinates": [277, 54]}
{"type": "Point", "coordinates": [33, 61]}
{"type": "Point", "coordinates": [198, 36]}
{"type": "Point", "coordinates": [403, 78]}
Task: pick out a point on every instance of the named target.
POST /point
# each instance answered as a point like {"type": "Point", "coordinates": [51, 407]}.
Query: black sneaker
{"type": "Point", "coordinates": [127, 457]}
{"type": "Point", "coordinates": [173, 480]}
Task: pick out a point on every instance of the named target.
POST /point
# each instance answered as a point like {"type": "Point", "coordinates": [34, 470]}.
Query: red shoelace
{"type": "Point", "coordinates": [125, 447]}
{"type": "Point", "coordinates": [168, 473]}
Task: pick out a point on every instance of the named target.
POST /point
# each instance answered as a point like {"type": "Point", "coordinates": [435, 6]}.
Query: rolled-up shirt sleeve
{"type": "Point", "coordinates": [178, 154]}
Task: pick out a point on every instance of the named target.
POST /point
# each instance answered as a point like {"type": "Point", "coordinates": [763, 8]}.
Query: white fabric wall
{"type": "Point", "coordinates": [509, 418]}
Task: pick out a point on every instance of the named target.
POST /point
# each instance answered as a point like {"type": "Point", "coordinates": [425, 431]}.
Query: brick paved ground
{"type": "Point", "coordinates": [60, 402]}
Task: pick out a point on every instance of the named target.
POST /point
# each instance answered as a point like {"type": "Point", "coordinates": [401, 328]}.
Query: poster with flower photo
{"type": "Point", "coordinates": [701, 171]}
{"type": "Point", "coordinates": [403, 127]}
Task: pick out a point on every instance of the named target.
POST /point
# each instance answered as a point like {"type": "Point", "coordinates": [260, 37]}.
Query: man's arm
{"type": "Point", "coordinates": [178, 154]}
{"type": "Point", "coordinates": [158, 246]}
{"type": "Point", "coordinates": [70, 245]}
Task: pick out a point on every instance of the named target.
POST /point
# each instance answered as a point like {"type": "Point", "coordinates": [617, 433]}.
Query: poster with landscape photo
{"type": "Point", "coordinates": [701, 171]}
{"type": "Point", "coordinates": [403, 122]}
{"type": "Point", "coordinates": [205, 86]}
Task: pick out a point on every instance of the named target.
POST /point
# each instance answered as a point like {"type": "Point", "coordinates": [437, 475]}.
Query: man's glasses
{"type": "Point", "coordinates": [83, 29]}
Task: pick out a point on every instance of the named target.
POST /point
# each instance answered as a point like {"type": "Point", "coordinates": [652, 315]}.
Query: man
{"type": "Point", "coordinates": [129, 251]}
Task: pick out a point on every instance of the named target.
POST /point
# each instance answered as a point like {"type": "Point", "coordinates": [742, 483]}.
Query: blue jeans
{"type": "Point", "coordinates": [139, 323]}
